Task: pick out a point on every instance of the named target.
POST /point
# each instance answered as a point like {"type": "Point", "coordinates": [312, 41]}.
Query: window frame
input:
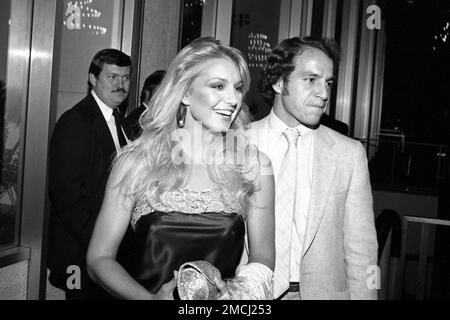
{"type": "Point", "coordinates": [35, 52]}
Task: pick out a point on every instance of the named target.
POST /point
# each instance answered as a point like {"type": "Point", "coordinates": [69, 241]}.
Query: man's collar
{"type": "Point", "coordinates": [106, 111]}
{"type": "Point", "coordinates": [277, 125]}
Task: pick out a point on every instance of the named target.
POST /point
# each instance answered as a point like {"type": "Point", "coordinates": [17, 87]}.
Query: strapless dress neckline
{"type": "Point", "coordinates": [187, 201]}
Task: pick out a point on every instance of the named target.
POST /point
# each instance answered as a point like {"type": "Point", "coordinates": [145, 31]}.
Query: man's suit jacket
{"type": "Point", "coordinates": [334, 124]}
{"type": "Point", "coordinates": [340, 241]}
{"type": "Point", "coordinates": [81, 151]}
{"type": "Point", "coordinates": [133, 121]}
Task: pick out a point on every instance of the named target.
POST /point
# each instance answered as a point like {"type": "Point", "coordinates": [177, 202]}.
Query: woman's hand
{"type": "Point", "coordinates": [166, 290]}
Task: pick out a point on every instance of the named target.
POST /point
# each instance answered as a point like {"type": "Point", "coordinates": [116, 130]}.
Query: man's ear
{"type": "Point", "coordinates": [278, 87]}
{"type": "Point", "coordinates": [92, 79]}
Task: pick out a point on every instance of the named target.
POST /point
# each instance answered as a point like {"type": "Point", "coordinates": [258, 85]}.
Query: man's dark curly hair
{"type": "Point", "coordinates": [280, 63]}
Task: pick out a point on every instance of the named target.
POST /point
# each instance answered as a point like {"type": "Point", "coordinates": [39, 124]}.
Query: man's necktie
{"type": "Point", "coordinates": [119, 121]}
{"type": "Point", "coordinates": [285, 206]}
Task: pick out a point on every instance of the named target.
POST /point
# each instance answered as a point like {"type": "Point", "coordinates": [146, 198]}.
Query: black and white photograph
{"type": "Point", "coordinates": [224, 150]}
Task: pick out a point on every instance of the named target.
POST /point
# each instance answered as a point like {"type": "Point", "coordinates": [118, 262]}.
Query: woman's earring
{"type": "Point", "coordinates": [181, 116]}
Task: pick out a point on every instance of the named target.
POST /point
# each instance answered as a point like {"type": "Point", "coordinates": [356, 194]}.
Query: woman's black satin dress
{"type": "Point", "coordinates": [166, 240]}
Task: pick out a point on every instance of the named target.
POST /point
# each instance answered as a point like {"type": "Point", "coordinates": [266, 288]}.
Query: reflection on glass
{"type": "Point", "coordinates": [84, 10]}
{"type": "Point", "coordinates": [9, 139]}
{"type": "Point", "coordinates": [87, 27]}
{"type": "Point", "coordinates": [191, 25]}
{"type": "Point", "coordinates": [254, 31]}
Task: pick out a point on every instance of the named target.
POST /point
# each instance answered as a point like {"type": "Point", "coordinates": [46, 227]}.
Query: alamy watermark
{"type": "Point", "coordinates": [373, 277]}
{"type": "Point", "coordinates": [374, 20]}
{"type": "Point", "coordinates": [231, 148]}
{"type": "Point", "coordinates": [74, 279]}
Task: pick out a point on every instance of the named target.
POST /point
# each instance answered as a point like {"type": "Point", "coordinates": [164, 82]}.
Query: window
{"type": "Point", "coordinates": [255, 35]}
{"type": "Point", "coordinates": [191, 21]}
{"type": "Point", "coordinates": [317, 18]}
{"type": "Point", "coordinates": [86, 28]}
{"type": "Point", "coordinates": [14, 54]}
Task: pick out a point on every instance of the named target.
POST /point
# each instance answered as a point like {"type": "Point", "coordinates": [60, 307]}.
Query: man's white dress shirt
{"type": "Point", "coordinates": [110, 120]}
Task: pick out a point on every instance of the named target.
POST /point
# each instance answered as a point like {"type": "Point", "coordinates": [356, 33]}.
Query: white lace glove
{"type": "Point", "coordinates": [253, 281]}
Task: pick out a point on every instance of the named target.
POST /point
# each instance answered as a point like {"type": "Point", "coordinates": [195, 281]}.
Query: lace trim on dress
{"type": "Point", "coordinates": [186, 201]}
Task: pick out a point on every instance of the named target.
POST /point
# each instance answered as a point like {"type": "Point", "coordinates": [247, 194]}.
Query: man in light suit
{"type": "Point", "coordinates": [83, 144]}
{"type": "Point", "coordinates": [326, 244]}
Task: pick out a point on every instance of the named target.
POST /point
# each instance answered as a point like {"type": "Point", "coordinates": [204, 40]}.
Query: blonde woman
{"type": "Point", "coordinates": [191, 186]}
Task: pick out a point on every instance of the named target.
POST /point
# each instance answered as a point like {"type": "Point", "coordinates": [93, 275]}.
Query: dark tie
{"type": "Point", "coordinates": [119, 121]}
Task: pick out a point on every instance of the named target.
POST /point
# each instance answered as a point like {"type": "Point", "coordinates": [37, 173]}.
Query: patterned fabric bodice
{"type": "Point", "coordinates": [172, 227]}
{"type": "Point", "coordinates": [186, 201]}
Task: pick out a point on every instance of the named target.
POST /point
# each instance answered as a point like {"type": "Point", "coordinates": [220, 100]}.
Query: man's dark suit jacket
{"type": "Point", "coordinates": [334, 124]}
{"type": "Point", "coordinates": [133, 121]}
{"type": "Point", "coordinates": [81, 151]}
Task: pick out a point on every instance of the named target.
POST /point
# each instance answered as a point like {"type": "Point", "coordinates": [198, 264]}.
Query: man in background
{"type": "Point", "coordinates": [83, 144]}
{"type": "Point", "coordinates": [334, 124]}
{"type": "Point", "coordinates": [150, 85]}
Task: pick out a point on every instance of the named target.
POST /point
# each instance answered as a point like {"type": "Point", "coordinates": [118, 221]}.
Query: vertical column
{"type": "Point", "coordinates": [296, 18]}
{"type": "Point", "coordinates": [285, 20]}
{"type": "Point", "coordinates": [329, 18]}
{"type": "Point", "coordinates": [377, 100]}
{"type": "Point", "coordinates": [347, 65]}
{"type": "Point", "coordinates": [295, 22]}
{"type": "Point", "coordinates": [17, 86]}
{"type": "Point", "coordinates": [209, 17]}
{"type": "Point", "coordinates": [216, 20]}
{"type": "Point", "coordinates": [133, 26]}
{"type": "Point", "coordinates": [224, 17]}
{"type": "Point", "coordinates": [37, 137]}
{"type": "Point", "coordinates": [306, 16]}
{"type": "Point", "coordinates": [399, 284]}
{"type": "Point", "coordinates": [300, 17]}
{"type": "Point", "coordinates": [423, 255]}
{"type": "Point", "coordinates": [329, 24]}
{"type": "Point", "coordinates": [365, 77]}
{"type": "Point", "coordinates": [117, 21]}
{"type": "Point", "coordinates": [128, 25]}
